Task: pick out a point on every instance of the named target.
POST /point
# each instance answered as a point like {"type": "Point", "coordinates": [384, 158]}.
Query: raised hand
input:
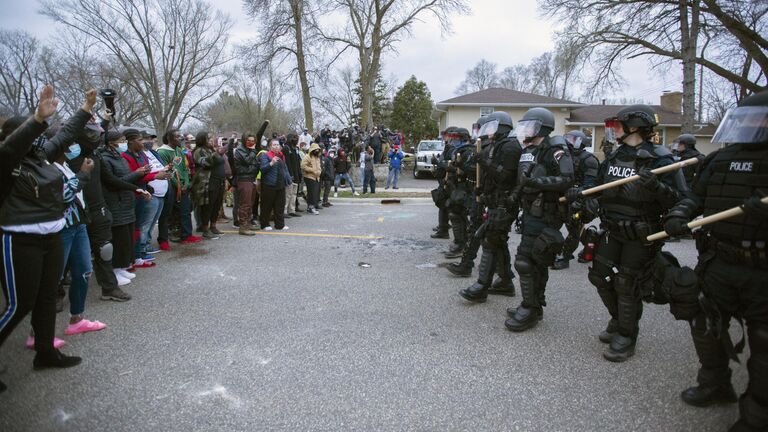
{"type": "Point", "coordinates": [90, 100]}
{"type": "Point", "coordinates": [47, 105]}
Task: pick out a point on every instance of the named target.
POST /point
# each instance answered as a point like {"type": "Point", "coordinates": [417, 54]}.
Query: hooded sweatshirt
{"type": "Point", "coordinates": [310, 165]}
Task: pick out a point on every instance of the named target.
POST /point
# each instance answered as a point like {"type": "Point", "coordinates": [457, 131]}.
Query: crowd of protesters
{"type": "Point", "coordinates": [84, 198]}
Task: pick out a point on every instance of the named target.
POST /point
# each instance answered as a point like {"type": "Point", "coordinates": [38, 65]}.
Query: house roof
{"type": "Point", "coordinates": [596, 114]}
{"type": "Point", "coordinates": [705, 130]}
{"type": "Point", "coordinates": [506, 97]}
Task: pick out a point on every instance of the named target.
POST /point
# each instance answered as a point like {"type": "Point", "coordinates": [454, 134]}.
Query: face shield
{"type": "Point", "coordinates": [489, 129]}
{"type": "Point", "coordinates": [527, 130]}
{"type": "Point", "coordinates": [574, 141]}
{"type": "Point", "coordinates": [613, 130]}
{"type": "Point", "coordinates": [475, 131]}
{"type": "Point", "coordinates": [743, 125]}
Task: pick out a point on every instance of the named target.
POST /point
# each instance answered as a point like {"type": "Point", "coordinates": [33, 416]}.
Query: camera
{"type": "Point", "coordinates": [109, 98]}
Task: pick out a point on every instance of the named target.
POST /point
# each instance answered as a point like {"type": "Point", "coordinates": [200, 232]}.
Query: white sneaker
{"type": "Point", "coordinates": [315, 212]}
{"type": "Point", "coordinates": [121, 281]}
{"type": "Point", "coordinates": [268, 228]}
{"type": "Point", "coordinates": [285, 228]}
{"type": "Point", "coordinates": [356, 194]}
{"type": "Point", "coordinates": [125, 273]}
{"type": "Point", "coordinates": [335, 194]}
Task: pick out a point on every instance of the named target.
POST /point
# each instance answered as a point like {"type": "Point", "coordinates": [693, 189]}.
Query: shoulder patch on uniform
{"type": "Point", "coordinates": [559, 155]}
{"type": "Point", "coordinates": [527, 157]}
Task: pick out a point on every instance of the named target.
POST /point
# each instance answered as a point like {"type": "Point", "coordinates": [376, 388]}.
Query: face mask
{"type": "Point", "coordinates": [185, 151]}
{"type": "Point", "coordinates": [122, 147]}
{"type": "Point", "coordinates": [74, 151]}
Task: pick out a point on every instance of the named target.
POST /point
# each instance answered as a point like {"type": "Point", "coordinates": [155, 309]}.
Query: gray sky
{"type": "Point", "coordinates": [494, 31]}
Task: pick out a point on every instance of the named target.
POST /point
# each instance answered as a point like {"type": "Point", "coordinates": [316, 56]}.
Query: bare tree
{"type": "Point", "coordinates": [665, 31]}
{"type": "Point", "coordinates": [480, 77]}
{"type": "Point", "coordinates": [287, 34]}
{"type": "Point", "coordinates": [337, 97]}
{"type": "Point", "coordinates": [516, 77]}
{"type": "Point", "coordinates": [171, 51]}
{"type": "Point", "coordinates": [374, 26]}
{"type": "Point", "coordinates": [19, 84]}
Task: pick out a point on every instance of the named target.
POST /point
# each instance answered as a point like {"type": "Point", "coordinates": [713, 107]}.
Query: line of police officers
{"type": "Point", "coordinates": [525, 168]}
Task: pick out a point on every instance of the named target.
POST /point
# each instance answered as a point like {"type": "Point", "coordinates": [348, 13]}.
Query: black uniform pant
{"type": "Point", "coordinates": [618, 290]}
{"type": "Point", "coordinates": [737, 291]}
{"type": "Point", "coordinates": [100, 235]}
{"type": "Point", "coordinates": [574, 228]}
{"type": "Point", "coordinates": [457, 214]}
{"type": "Point", "coordinates": [30, 269]}
{"type": "Point", "coordinates": [473, 240]}
{"type": "Point", "coordinates": [272, 203]}
{"type": "Point", "coordinates": [496, 257]}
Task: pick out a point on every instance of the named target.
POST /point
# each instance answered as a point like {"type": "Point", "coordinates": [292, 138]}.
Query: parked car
{"type": "Point", "coordinates": [424, 153]}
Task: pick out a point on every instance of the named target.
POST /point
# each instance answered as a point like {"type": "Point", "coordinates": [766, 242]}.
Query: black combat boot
{"type": "Point", "coordinates": [606, 335]}
{"type": "Point", "coordinates": [455, 250]}
{"type": "Point", "coordinates": [460, 269]}
{"type": "Point", "coordinates": [503, 285]}
{"type": "Point", "coordinates": [561, 263]}
{"type": "Point", "coordinates": [704, 396]}
{"type": "Point", "coordinates": [440, 234]}
{"type": "Point", "coordinates": [621, 348]}
{"type": "Point", "coordinates": [478, 291]}
{"type": "Point", "coordinates": [528, 314]}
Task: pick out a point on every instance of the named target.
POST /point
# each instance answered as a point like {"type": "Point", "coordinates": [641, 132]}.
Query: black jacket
{"type": "Point", "coordinates": [327, 168]}
{"type": "Point", "coordinates": [246, 163]}
{"type": "Point", "coordinates": [119, 186]}
{"type": "Point", "coordinates": [293, 161]}
{"type": "Point", "coordinates": [31, 188]}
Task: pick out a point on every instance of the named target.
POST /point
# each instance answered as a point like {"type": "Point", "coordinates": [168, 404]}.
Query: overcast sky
{"type": "Point", "coordinates": [504, 32]}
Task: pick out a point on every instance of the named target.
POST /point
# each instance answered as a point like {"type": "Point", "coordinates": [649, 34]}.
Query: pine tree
{"type": "Point", "coordinates": [412, 110]}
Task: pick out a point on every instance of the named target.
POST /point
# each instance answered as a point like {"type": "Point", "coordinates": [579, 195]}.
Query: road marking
{"type": "Point", "coordinates": [380, 219]}
{"type": "Point", "coordinates": [297, 234]}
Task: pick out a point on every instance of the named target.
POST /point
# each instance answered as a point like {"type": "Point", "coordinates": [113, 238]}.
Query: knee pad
{"type": "Point", "coordinates": [105, 252]}
{"type": "Point", "coordinates": [496, 239]}
{"type": "Point", "coordinates": [624, 284]}
{"type": "Point", "coordinates": [523, 265]}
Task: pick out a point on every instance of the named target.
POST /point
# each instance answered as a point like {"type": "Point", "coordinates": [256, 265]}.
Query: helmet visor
{"type": "Point", "coordinates": [743, 125]}
{"type": "Point", "coordinates": [527, 129]}
{"type": "Point", "coordinates": [574, 141]}
{"type": "Point", "coordinates": [489, 129]}
{"type": "Point", "coordinates": [475, 131]}
{"type": "Point", "coordinates": [613, 130]}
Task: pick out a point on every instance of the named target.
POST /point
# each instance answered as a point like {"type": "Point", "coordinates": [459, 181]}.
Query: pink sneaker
{"type": "Point", "coordinates": [84, 326]}
{"type": "Point", "coordinates": [57, 343]}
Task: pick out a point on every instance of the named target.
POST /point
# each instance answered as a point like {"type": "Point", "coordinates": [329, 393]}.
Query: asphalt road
{"type": "Point", "coordinates": [293, 333]}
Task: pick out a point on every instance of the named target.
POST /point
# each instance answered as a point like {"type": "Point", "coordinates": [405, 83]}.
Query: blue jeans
{"type": "Point", "coordinates": [346, 177]}
{"type": "Point", "coordinates": [147, 214]}
{"type": "Point", "coordinates": [183, 206]}
{"type": "Point", "coordinates": [77, 253]}
{"type": "Point", "coordinates": [393, 177]}
{"type": "Point", "coordinates": [362, 177]}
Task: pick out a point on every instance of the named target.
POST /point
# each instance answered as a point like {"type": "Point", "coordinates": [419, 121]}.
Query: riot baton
{"type": "Point", "coordinates": [717, 217]}
{"type": "Point", "coordinates": [616, 183]}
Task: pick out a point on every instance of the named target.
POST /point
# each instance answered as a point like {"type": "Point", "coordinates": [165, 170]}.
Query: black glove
{"type": "Point", "coordinates": [150, 189]}
{"type": "Point", "coordinates": [434, 160]}
{"type": "Point", "coordinates": [573, 194]}
{"type": "Point", "coordinates": [676, 226]}
{"type": "Point", "coordinates": [754, 207]}
{"type": "Point", "coordinates": [648, 179]}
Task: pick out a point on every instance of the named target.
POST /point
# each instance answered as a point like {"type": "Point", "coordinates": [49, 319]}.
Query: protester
{"type": "Point", "coordinates": [310, 170]}
{"type": "Point", "coordinates": [374, 141]}
{"type": "Point", "coordinates": [119, 185]}
{"type": "Point", "coordinates": [31, 218]}
{"type": "Point", "coordinates": [369, 179]}
{"type": "Point", "coordinates": [395, 157]}
{"type": "Point", "coordinates": [274, 179]}
{"type": "Point", "coordinates": [208, 184]}
{"type": "Point", "coordinates": [177, 200]}
{"type": "Point", "coordinates": [293, 161]}
{"type": "Point", "coordinates": [327, 176]}
{"type": "Point", "coordinates": [341, 167]}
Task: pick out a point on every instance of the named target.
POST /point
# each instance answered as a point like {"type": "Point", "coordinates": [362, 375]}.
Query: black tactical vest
{"type": "Point", "coordinates": [736, 174]}
{"type": "Point", "coordinates": [580, 167]}
{"type": "Point", "coordinates": [538, 161]}
{"type": "Point", "coordinates": [630, 201]}
{"type": "Point", "coordinates": [461, 159]}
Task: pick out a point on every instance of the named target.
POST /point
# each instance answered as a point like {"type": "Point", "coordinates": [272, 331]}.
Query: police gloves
{"type": "Point", "coordinates": [676, 226]}
{"type": "Point", "coordinates": [648, 179]}
{"type": "Point", "coordinates": [573, 194]}
{"type": "Point", "coordinates": [754, 207]}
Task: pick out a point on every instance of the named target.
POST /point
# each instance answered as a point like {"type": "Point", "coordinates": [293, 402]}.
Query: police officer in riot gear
{"type": "Point", "coordinates": [628, 214]}
{"type": "Point", "coordinates": [544, 174]}
{"type": "Point", "coordinates": [580, 211]}
{"type": "Point", "coordinates": [439, 195]}
{"type": "Point", "coordinates": [683, 148]}
{"type": "Point", "coordinates": [460, 184]}
{"type": "Point", "coordinates": [733, 260]}
{"type": "Point", "coordinates": [499, 162]}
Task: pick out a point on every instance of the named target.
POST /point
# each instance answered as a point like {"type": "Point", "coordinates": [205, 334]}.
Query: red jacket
{"type": "Point", "coordinates": [135, 164]}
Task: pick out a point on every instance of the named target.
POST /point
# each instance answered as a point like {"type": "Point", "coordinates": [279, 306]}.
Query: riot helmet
{"type": "Point", "coordinates": [477, 126]}
{"type": "Point", "coordinates": [688, 140]}
{"type": "Point", "coordinates": [536, 122]}
{"type": "Point", "coordinates": [462, 134]}
{"type": "Point", "coordinates": [448, 133]}
{"type": "Point", "coordinates": [577, 141]}
{"type": "Point", "coordinates": [497, 125]}
{"type": "Point", "coordinates": [639, 116]}
{"type": "Point", "coordinates": [745, 124]}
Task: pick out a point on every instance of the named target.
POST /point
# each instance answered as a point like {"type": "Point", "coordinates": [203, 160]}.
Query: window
{"type": "Point", "coordinates": [484, 111]}
{"type": "Point", "coordinates": [590, 133]}
{"type": "Point", "coordinates": [661, 133]}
